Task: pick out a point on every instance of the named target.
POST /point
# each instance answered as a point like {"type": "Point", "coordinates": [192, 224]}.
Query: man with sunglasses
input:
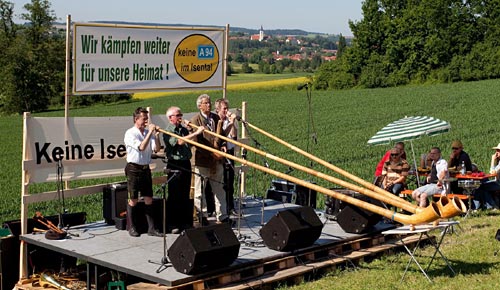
{"type": "Point", "coordinates": [179, 207]}
{"type": "Point", "coordinates": [395, 171]}
{"type": "Point", "coordinates": [457, 157]}
{"type": "Point", "coordinates": [435, 180]}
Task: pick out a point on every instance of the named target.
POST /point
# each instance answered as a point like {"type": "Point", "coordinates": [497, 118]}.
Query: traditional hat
{"type": "Point", "coordinates": [498, 146]}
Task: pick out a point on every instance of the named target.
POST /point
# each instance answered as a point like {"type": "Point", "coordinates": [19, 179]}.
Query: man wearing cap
{"type": "Point", "coordinates": [435, 180]}
{"type": "Point", "coordinates": [457, 156]}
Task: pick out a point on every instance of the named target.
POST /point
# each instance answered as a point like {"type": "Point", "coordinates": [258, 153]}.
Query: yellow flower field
{"type": "Point", "coordinates": [232, 87]}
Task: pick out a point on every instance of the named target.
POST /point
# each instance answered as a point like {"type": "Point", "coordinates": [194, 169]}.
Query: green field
{"type": "Point", "coordinates": [344, 121]}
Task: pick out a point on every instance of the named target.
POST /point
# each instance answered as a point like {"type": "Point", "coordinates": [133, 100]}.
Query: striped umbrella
{"type": "Point", "coordinates": [409, 128]}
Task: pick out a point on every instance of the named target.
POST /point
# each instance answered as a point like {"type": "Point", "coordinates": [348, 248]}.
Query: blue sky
{"type": "Point", "coordinates": [329, 16]}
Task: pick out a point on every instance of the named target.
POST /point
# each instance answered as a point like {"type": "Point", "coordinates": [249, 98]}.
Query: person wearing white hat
{"type": "Point", "coordinates": [495, 158]}
{"type": "Point", "coordinates": [487, 192]}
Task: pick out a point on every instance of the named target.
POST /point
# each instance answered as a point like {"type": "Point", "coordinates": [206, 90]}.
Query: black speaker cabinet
{"type": "Point", "coordinates": [353, 219]}
{"type": "Point", "coordinates": [9, 262]}
{"type": "Point", "coordinates": [114, 202]}
{"type": "Point", "coordinates": [292, 229]}
{"type": "Point", "coordinates": [333, 206]}
{"type": "Point", "coordinates": [289, 192]}
{"type": "Point", "coordinates": [200, 249]}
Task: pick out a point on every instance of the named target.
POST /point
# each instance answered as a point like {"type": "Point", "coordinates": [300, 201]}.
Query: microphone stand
{"type": "Point", "coordinates": [164, 260]}
{"type": "Point", "coordinates": [203, 182]}
{"type": "Point", "coordinates": [60, 192]}
{"type": "Point", "coordinates": [240, 213]}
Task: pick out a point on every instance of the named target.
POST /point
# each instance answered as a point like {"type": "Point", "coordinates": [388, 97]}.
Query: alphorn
{"type": "Point", "coordinates": [426, 215]}
{"type": "Point", "coordinates": [454, 207]}
{"type": "Point", "coordinates": [369, 185]}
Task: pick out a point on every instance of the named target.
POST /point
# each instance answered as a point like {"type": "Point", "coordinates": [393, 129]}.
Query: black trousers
{"type": "Point", "coordinates": [229, 181]}
{"type": "Point", "coordinates": [179, 207]}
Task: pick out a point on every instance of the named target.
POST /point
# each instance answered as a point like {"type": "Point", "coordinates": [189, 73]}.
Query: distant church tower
{"type": "Point", "coordinates": [261, 33]}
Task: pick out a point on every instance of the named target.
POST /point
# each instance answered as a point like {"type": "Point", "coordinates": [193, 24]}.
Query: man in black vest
{"type": "Point", "coordinates": [435, 180]}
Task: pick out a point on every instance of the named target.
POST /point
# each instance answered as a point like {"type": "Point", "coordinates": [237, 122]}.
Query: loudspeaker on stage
{"type": "Point", "coordinates": [201, 249]}
{"type": "Point", "coordinates": [292, 229]}
{"type": "Point", "coordinates": [353, 219]}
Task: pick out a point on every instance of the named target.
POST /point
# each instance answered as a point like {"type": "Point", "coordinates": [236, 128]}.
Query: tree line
{"type": "Point", "coordinates": [402, 42]}
{"type": "Point", "coordinates": [32, 62]}
{"type": "Point", "coordinates": [395, 43]}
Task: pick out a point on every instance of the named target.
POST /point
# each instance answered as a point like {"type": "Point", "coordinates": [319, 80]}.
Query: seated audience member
{"type": "Point", "coordinates": [395, 171]}
{"type": "Point", "coordinates": [387, 155]}
{"type": "Point", "coordinates": [485, 195]}
{"type": "Point", "coordinates": [457, 156]}
{"type": "Point", "coordinates": [435, 183]}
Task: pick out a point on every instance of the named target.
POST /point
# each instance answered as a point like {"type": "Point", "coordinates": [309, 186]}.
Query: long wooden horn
{"type": "Point", "coordinates": [427, 214]}
{"type": "Point", "coordinates": [399, 202]}
{"type": "Point", "coordinates": [446, 208]}
{"type": "Point", "coordinates": [453, 208]}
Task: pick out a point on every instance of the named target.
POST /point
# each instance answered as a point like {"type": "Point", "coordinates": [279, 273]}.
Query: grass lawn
{"type": "Point", "coordinates": [342, 121]}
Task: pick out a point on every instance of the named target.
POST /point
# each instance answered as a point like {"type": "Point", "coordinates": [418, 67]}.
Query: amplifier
{"type": "Point", "coordinates": [114, 202]}
{"type": "Point", "coordinates": [289, 192]}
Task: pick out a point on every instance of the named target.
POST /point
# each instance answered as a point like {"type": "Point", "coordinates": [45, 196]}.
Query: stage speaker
{"type": "Point", "coordinates": [355, 220]}
{"type": "Point", "coordinates": [200, 249]}
{"type": "Point", "coordinates": [114, 202]}
{"type": "Point", "coordinates": [9, 262]}
{"type": "Point", "coordinates": [292, 229]}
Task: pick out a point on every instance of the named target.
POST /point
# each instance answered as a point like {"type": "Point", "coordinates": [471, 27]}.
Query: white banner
{"type": "Point", "coordinates": [128, 58]}
{"type": "Point", "coordinates": [92, 147]}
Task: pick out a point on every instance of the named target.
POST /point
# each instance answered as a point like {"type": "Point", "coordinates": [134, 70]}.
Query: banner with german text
{"type": "Point", "coordinates": [128, 58]}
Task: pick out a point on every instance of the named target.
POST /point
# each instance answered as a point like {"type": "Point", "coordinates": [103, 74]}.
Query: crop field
{"type": "Point", "coordinates": [343, 121]}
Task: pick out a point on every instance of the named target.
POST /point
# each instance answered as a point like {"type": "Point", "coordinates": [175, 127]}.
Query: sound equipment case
{"type": "Point", "coordinates": [289, 192]}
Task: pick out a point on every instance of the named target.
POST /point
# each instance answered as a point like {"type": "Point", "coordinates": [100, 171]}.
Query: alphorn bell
{"type": "Point", "coordinates": [453, 207]}
{"type": "Point", "coordinates": [427, 215]}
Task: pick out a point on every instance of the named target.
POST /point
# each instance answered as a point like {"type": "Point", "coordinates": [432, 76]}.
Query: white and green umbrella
{"type": "Point", "coordinates": [409, 128]}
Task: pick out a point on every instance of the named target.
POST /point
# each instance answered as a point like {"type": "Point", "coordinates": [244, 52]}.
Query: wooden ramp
{"type": "Point", "coordinates": [107, 248]}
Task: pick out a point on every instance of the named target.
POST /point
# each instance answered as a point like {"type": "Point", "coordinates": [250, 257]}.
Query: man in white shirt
{"type": "Point", "coordinates": [435, 181]}
{"type": "Point", "coordinates": [140, 141]}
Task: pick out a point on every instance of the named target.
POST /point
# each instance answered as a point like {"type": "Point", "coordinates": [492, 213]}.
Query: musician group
{"type": "Point", "coordinates": [184, 161]}
{"type": "Point", "coordinates": [207, 165]}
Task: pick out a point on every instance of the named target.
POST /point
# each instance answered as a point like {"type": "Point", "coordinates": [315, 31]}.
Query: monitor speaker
{"type": "Point", "coordinates": [292, 229]}
{"type": "Point", "coordinates": [353, 219]}
{"type": "Point", "coordinates": [198, 250]}
{"type": "Point", "coordinates": [114, 202]}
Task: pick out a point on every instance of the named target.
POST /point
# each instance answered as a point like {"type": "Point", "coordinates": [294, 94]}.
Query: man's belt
{"type": "Point", "coordinates": [138, 166]}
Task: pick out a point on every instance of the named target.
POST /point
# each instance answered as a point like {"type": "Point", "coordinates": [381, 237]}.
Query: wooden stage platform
{"type": "Point", "coordinates": [108, 248]}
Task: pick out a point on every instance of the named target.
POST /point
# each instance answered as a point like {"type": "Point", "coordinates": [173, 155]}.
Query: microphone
{"type": "Point", "coordinates": [300, 87]}
{"type": "Point", "coordinates": [168, 171]}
